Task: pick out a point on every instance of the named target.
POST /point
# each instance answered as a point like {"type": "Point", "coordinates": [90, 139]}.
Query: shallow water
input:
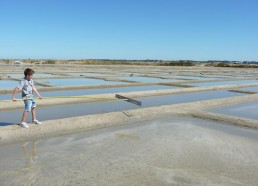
{"type": "Point", "coordinates": [252, 89]}
{"type": "Point", "coordinates": [190, 77]}
{"type": "Point", "coordinates": [78, 81]}
{"type": "Point", "coordinates": [34, 75]}
{"type": "Point", "coordinates": [8, 84]}
{"type": "Point", "coordinates": [85, 74]}
{"type": "Point", "coordinates": [245, 110]}
{"type": "Point", "coordinates": [172, 151]}
{"type": "Point", "coordinates": [224, 83]}
{"type": "Point", "coordinates": [11, 84]}
{"type": "Point", "coordinates": [72, 110]}
{"type": "Point", "coordinates": [96, 91]}
{"type": "Point", "coordinates": [148, 79]}
{"type": "Point", "coordinates": [230, 76]}
{"type": "Point", "coordinates": [219, 76]}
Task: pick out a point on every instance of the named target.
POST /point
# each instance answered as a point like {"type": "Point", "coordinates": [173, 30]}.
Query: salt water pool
{"type": "Point", "coordinates": [78, 81]}
{"type": "Point", "coordinates": [85, 74]}
{"type": "Point", "coordinates": [252, 89]}
{"type": "Point", "coordinates": [72, 110]}
{"type": "Point", "coordinates": [224, 83]}
{"type": "Point", "coordinates": [8, 84]}
{"type": "Point", "coordinates": [245, 110]}
{"type": "Point", "coordinates": [34, 75]}
{"type": "Point", "coordinates": [169, 151]}
{"type": "Point", "coordinates": [95, 91]}
{"type": "Point", "coordinates": [148, 79]}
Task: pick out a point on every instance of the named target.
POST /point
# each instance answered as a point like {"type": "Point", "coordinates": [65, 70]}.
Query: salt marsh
{"type": "Point", "coordinates": [181, 135]}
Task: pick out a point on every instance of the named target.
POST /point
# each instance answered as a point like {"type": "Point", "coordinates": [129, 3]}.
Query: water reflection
{"type": "Point", "coordinates": [28, 172]}
{"type": "Point", "coordinates": [30, 155]}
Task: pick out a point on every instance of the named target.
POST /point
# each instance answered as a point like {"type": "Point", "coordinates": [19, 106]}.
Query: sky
{"type": "Point", "coordinates": [129, 29]}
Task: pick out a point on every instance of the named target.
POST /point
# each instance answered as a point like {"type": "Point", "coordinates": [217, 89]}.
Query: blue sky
{"type": "Point", "coordinates": [129, 29]}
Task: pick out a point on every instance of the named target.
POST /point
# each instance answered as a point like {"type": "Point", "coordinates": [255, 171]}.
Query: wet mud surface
{"type": "Point", "coordinates": [171, 151]}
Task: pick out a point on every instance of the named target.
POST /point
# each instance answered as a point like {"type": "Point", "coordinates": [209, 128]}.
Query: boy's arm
{"type": "Point", "coordinates": [16, 89]}
{"type": "Point", "coordinates": [36, 91]}
{"type": "Point", "coordinates": [14, 93]}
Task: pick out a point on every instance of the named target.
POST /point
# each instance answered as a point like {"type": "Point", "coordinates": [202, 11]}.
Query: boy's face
{"type": "Point", "coordinates": [29, 76]}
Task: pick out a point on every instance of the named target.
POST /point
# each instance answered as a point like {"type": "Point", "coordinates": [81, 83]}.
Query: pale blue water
{"type": "Point", "coordinates": [148, 79]}
{"type": "Point", "coordinates": [231, 76]}
{"type": "Point", "coordinates": [224, 83]}
{"type": "Point", "coordinates": [85, 74]}
{"type": "Point", "coordinates": [72, 110]}
{"type": "Point", "coordinates": [253, 89]}
{"type": "Point", "coordinates": [220, 76]}
{"type": "Point", "coordinates": [190, 77]}
{"type": "Point", "coordinates": [78, 81]}
{"type": "Point", "coordinates": [96, 91]}
{"type": "Point", "coordinates": [34, 75]}
{"type": "Point", "coordinates": [188, 151]}
{"type": "Point", "coordinates": [8, 84]}
{"type": "Point", "coordinates": [245, 110]}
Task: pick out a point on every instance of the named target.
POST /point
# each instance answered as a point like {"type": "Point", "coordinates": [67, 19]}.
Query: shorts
{"type": "Point", "coordinates": [29, 104]}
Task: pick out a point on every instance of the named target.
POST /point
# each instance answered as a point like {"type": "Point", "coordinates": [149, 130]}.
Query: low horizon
{"type": "Point", "coordinates": [185, 60]}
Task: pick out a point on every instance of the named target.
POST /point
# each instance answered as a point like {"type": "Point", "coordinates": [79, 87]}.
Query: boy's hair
{"type": "Point", "coordinates": [28, 71]}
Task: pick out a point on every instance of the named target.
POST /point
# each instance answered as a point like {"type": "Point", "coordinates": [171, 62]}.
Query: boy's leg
{"type": "Point", "coordinates": [23, 123]}
{"type": "Point", "coordinates": [33, 110]}
{"type": "Point", "coordinates": [27, 109]}
{"type": "Point", "coordinates": [24, 116]}
{"type": "Point", "coordinates": [33, 114]}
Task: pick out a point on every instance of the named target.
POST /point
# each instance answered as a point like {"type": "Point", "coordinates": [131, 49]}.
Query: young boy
{"type": "Point", "coordinates": [27, 87]}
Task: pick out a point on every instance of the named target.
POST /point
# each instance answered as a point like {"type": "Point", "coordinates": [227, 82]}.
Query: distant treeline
{"type": "Point", "coordinates": [215, 63]}
{"type": "Point", "coordinates": [140, 62]}
{"type": "Point", "coordinates": [236, 65]}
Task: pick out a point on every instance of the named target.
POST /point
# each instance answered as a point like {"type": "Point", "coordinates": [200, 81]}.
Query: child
{"type": "Point", "coordinates": [27, 87]}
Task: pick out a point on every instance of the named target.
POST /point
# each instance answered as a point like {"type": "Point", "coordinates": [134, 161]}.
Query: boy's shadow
{"type": "Point", "coordinates": [7, 123]}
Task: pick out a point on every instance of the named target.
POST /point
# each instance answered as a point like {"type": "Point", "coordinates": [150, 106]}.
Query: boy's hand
{"type": "Point", "coordinates": [39, 97]}
{"type": "Point", "coordinates": [14, 99]}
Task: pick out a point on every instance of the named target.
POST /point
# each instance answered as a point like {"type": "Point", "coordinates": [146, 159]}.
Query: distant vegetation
{"type": "Point", "coordinates": [49, 62]}
{"type": "Point", "coordinates": [139, 62]}
{"type": "Point", "coordinates": [147, 62]}
{"type": "Point", "coordinates": [180, 63]}
{"type": "Point", "coordinates": [235, 65]}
